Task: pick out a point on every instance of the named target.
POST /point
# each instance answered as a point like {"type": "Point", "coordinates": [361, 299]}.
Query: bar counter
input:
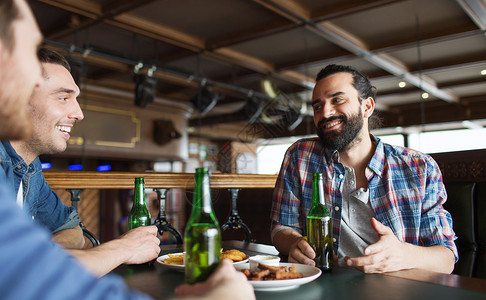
{"type": "Point", "coordinates": [343, 283]}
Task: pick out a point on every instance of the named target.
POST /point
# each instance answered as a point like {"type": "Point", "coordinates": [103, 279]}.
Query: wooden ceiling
{"type": "Point", "coordinates": [232, 46]}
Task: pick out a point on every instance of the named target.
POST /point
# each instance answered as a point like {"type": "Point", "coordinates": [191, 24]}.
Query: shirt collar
{"type": "Point", "coordinates": [18, 160]}
{"type": "Point", "coordinates": [377, 162]}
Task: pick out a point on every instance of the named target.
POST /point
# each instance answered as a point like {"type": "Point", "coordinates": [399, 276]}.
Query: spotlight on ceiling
{"type": "Point", "coordinates": [293, 118]}
{"type": "Point", "coordinates": [205, 100]}
{"type": "Point", "coordinates": [144, 86]}
{"type": "Point", "coordinates": [252, 109]}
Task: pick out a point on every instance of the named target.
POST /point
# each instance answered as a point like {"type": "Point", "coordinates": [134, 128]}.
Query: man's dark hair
{"type": "Point", "coordinates": [9, 12]}
{"type": "Point", "coordinates": [360, 82]}
{"type": "Point", "coordinates": [50, 56]}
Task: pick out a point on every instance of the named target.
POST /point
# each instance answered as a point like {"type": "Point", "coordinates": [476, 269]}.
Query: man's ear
{"type": "Point", "coordinates": [368, 107]}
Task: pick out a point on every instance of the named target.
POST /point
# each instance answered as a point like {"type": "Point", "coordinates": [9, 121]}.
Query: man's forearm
{"type": "Point", "coordinates": [70, 238]}
{"type": "Point", "coordinates": [434, 258]}
{"type": "Point", "coordinates": [101, 259]}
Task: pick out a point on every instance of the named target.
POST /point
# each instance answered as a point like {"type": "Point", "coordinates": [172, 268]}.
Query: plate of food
{"type": "Point", "coordinates": [175, 261]}
{"type": "Point", "coordinates": [286, 276]}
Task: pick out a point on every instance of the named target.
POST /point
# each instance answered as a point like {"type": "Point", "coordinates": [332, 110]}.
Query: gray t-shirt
{"type": "Point", "coordinates": [356, 232]}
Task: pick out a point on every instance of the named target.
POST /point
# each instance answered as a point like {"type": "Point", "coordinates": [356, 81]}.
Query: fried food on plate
{"type": "Point", "coordinates": [175, 259]}
{"type": "Point", "coordinates": [272, 273]}
{"type": "Point", "coordinates": [234, 255]}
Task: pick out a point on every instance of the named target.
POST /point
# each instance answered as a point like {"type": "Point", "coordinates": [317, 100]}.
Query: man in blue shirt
{"type": "Point", "coordinates": [19, 158]}
{"type": "Point", "coordinates": [53, 110]}
{"type": "Point", "coordinates": [32, 266]}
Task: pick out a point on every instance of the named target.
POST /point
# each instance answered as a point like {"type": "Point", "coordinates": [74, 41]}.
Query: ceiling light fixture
{"type": "Point", "coordinates": [253, 108]}
{"type": "Point", "coordinates": [402, 84]}
{"type": "Point", "coordinates": [144, 86]}
{"type": "Point", "coordinates": [425, 95]}
{"type": "Point", "coordinates": [205, 99]}
{"type": "Point", "coordinates": [483, 72]}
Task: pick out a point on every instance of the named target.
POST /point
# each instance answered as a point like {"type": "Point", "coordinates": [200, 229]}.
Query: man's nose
{"type": "Point", "coordinates": [328, 110]}
{"type": "Point", "coordinates": [77, 113]}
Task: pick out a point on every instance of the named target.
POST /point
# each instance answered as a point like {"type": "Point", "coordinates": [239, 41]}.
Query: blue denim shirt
{"type": "Point", "coordinates": [40, 202]}
{"type": "Point", "coordinates": [33, 267]}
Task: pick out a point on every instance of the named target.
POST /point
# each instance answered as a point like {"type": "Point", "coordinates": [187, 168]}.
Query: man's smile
{"type": "Point", "coordinates": [331, 124]}
{"type": "Point", "coordinates": [66, 129]}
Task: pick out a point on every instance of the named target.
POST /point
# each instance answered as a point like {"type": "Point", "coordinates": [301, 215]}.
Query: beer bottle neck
{"type": "Point", "coordinates": [139, 195]}
{"type": "Point", "coordinates": [202, 194]}
{"type": "Point", "coordinates": [318, 192]}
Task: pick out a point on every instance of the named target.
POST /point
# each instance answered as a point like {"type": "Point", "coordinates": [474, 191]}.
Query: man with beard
{"type": "Point", "coordinates": [385, 201]}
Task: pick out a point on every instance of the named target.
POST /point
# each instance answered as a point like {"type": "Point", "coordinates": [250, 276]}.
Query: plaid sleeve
{"type": "Point", "coordinates": [287, 195]}
{"type": "Point", "coordinates": [436, 222]}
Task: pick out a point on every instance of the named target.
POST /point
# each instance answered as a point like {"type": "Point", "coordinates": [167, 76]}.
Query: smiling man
{"type": "Point", "coordinates": [385, 201]}
{"type": "Point", "coordinates": [54, 109]}
{"type": "Point", "coordinates": [32, 266]}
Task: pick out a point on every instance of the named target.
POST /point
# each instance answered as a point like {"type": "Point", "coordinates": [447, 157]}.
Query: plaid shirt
{"type": "Point", "coordinates": [406, 191]}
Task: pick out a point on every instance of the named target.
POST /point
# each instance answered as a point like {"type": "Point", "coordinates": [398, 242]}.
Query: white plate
{"type": "Point", "coordinates": [161, 259]}
{"type": "Point", "coordinates": [180, 268]}
{"type": "Point", "coordinates": [309, 273]}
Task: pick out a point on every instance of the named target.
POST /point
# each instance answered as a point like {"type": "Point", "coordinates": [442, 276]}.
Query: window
{"type": "Point", "coordinates": [270, 157]}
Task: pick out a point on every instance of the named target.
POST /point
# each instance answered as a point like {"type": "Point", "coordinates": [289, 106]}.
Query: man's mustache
{"type": "Point", "coordinates": [330, 119]}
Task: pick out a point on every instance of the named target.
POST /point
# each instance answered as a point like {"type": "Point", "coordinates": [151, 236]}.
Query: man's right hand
{"type": "Point", "coordinates": [141, 244]}
{"type": "Point", "coordinates": [290, 242]}
{"type": "Point", "coordinates": [301, 252]}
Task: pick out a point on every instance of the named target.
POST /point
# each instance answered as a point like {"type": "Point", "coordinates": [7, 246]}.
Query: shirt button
{"type": "Point", "coordinates": [341, 176]}
{"type": "Point", "coordinates": [334, 240]}
{"type": "Point", "coordinates": [336, 208]}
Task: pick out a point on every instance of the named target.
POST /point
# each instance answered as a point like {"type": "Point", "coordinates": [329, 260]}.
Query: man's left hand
{"type": "Point", "coordinates": [386, 255]}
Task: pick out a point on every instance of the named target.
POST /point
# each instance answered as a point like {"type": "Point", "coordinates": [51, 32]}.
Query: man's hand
{"type": "Point", "coordinates": [386, 255]}
{"type": "Point", "coordinates": [290, 242]}
{"type": "Point", "coordinates": [301, 252]}
{"type": "Point", "coordinates": [224, 283]}
{"type": "Point", "coordinates": [141, 244]}
{"type": "Point", "coordinates": [137, 246]}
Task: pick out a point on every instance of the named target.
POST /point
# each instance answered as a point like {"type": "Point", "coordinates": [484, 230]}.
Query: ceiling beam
{"type": "Point", "coordinates": [94, 11]}
{"type": "Point", "coordinates": [87, 8]}
{"type": "Point", "coordinates": [114, 15]}
{"type": "Point", "coordinates": [334, 34]}
{"type": "Point", "coordinates": [353, 44]}
{"type": "Point", "coordinates": [338, 10]}
{"type": "Point", "coordinates": [476, 10]}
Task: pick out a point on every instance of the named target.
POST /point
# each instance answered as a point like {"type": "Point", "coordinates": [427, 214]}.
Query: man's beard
{"type": "Point", "coordinates": [340, 139]}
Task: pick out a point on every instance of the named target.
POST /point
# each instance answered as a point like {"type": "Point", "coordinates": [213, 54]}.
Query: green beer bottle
{"type": "Point", "coordinates": [319, 227]}
{"type": "Point", "coordinates": [202, 237]}
{"type": "Point", "coordinates": [139, 215]}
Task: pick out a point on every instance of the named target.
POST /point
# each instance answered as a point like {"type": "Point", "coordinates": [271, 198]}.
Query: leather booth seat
{"type": "Point", "coordinates": [467, 204]}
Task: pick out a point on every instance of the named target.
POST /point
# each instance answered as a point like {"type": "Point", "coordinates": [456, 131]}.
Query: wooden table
{"type": "Point", "coordinates": [342, 283]}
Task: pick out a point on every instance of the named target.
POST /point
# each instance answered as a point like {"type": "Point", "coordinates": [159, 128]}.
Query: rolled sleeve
{"type": "Point", "coordinates": [46, 206]}
{"type": "Point", "coordinates": [71, 222]}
